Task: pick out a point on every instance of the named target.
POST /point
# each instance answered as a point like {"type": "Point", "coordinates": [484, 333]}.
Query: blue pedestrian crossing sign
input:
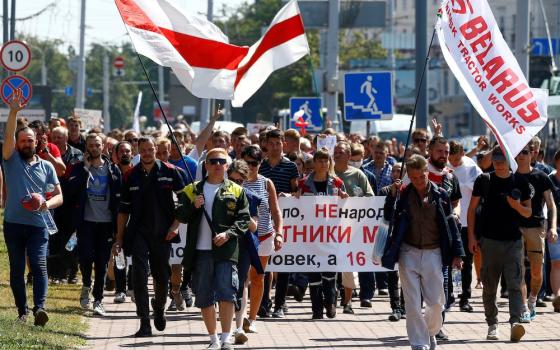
{"type": "Point", "coordinates": [368, 95]}
{"type": "Point", "coordinates": [306, 109]}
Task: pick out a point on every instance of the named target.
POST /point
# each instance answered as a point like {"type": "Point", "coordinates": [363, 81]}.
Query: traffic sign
{"type": "Point", "coordinates": [368, 95]}
{"type": "Point", "coordinates": [541, 46]}
{"type": "Point", "coordinates": [12, 83]}
{"type": "Point", "coordinates": [118, 72]}
{"type": "Point", "coordinates": [69, 91]}
{"type": "Point", "coordinates": [15, 55]}
{"type": "Point", "coordinates": [306, 109]}
{"type": "Point", "coordinates": [118, 62]}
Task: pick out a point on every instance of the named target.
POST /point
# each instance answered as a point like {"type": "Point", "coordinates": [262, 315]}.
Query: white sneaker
{"type": "Point", "coordinates": [251, 328]}
{"type": "Point", "coordinates": [119, 298]}
{"type": "Point", "coordinates": [98, 308]}
{"type": "Point", "coordinates": [493, 332]}
{"type": "Point", "coordinates": [84, 298]}
{"type": "Point", "coordinates": [214, 346]}
{"type": "Point", "coordinates": [240, 336]}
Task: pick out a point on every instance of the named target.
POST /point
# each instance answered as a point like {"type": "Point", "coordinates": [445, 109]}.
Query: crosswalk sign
{"type": "Point", "coordinates": [368, 96]}
{"type": "Point", "coordinates": [306, 109]}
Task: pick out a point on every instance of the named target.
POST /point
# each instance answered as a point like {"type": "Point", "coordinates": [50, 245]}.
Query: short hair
{"type": "Point", "coordinates": [252, 151]}
{"type": "Point", "coordinates": [455, 147]}
{"type": "Point", "coordinates": [75, 119]}
{"type": "Point", "coordinates": [214, 151]}
{"type": "Point", "coordinates": [275, 134]}
{"type": "Point", "coordinates": [60, 129]}
{"type": "Point", "coordinates": [419, 132]}
{"type": "Point", "coordinates": [536, 141]}
{"type": "Point", "coordinates": [292, 134]}
{"type": "Point", "coordinates": [121, 143]}
{"type": "Point", "coordinates": [93, 136]}
{"type": "Point", "coordinates": [25, 128]}
{"type": "Point", "coordinates": [146, 138]}
{"type": "Point", "coordinates": [437, 139]}
{"type": "Point", "coordinates": [346, 144]}
{"type": "Point", "coordinates": [40, 126]}
{"type": "Point", "coordinates": [417, 162]}
{"type": "Point", "coordinates": [329, 131]}
{"type": "Point", "coordinates": [221, 133]}
{"type": "Point", "coordinates": [383, 146]}
{"type": "Point", "coordinates": [239, 166]}
{"type": "Point", "coordinates": [356, 149]}
{"type": "Point", "coordinates": [129, 132]}
{"type": "Point", "coordinates": [240, 130]}
{"type": "Point", "coordinates": [322, 153]}
{"type": "Point", "coordinates": [163, 141]}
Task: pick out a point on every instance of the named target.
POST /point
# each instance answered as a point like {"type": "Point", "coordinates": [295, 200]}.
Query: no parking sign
{"type": "Point", "coordinates": [12, 83]}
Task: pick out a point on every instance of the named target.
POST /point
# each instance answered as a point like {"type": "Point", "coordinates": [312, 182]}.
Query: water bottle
{"type": "Point", "coordinates": [457, 284]}
{"type": "Point", "coordinates": [72, 242]}
{"type": "Point", "coordinates": [380, 241]}
{"type": "Point", "coordinates": [120, 260]}
{"type": "Point", "coordinates": [49, 221]}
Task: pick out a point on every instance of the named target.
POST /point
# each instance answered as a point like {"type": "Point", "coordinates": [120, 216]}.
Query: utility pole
{"type": "Point", "coordinates": [12, 21]}
{"type": "Point", "coordinates": [391, 51]}
{"type": "Point", "coordinates": [106, 86]}
{"type": "Point", "coordinates": [332, 61]}
{"type": "Point", "coordinates": [81, 83]}
{"type": "Point", "coordinates": [227, 103]}
{"type": "Point", "coordinates": [5, 21]}
{"type": "Point", "coordinates": [205, 104]}
{"type": "Point", "coordinates": [421, 52]}
{"type": "Point", "coordinates": [161, 90]}
{"type": "Point", "coordinates": [522, 35]}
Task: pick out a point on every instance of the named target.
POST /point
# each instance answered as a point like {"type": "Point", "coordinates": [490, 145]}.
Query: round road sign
{"type": "Point", "coordinates": [118, 62]}
{"type": "Point", "coordinates": [11, 83]}
{"type": "Point", "coordinates": [15, 55]}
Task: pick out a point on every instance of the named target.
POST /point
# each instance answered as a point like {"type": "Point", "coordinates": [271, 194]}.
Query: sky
{"type": "Point", "coordinates": [103, 23]}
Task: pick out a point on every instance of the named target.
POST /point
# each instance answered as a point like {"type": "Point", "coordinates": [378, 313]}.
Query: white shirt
{"type": "Point", "coordinates": [466, 173]}
{"type": "Point", "coordinates": [204, 241]}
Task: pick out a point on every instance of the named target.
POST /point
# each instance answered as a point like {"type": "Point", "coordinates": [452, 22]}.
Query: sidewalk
{"type": "Point", "coordinates": [368, 328]}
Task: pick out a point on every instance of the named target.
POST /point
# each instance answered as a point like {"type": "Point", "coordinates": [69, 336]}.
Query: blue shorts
{"type": "Point", "coordinates": [213, 281]}
{"type": "Point", "coordinates": [554, 249]}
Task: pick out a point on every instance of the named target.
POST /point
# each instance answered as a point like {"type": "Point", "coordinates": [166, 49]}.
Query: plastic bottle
{"type": "Point", "coordinates": [120, 261]}
{"type": "Point", "coordinates": [380, 241]}
{"type": "Point", "coordinates": [457, 283]}
{"type": "Point", "coordinates": [49, 222]}
{"type": "Point", "coordinates": [72, 242]}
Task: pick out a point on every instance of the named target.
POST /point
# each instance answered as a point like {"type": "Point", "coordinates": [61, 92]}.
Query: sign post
{"type": "Point", "coordinates": [118, 65]}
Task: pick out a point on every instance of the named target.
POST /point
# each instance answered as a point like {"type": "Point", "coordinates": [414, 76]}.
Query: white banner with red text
{"type": "Point", "coordinates": [326, 233]}
{"type": "Point", "coordinates": [479, 57]}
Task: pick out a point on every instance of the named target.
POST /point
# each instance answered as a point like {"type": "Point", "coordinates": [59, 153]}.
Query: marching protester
{"type": "Point", "coordinates": [75, 137]}
{"type": "Point", "coordinates": [217, 213]}
{"type": "Point", "coordinates": [356, 185]}
{"type": "Point", "coordinates": [534, 229]}
{"type": "Point", "coordinates": [94, 189]}
{"type": "Point", "coordinates": [269, 227]}
{"type": "Point", "coordinates": [553, 241]}
{"type": "Point", "coordinates": [34, 189]}
{"type": "Point", "coordinates": [322, 182]}
{"type": "Point", "coordinates": [425, 238]}
{"type": "Point", "coordinates": [146, 212]}
{"type": "Point", "coordinates": [504, 198]}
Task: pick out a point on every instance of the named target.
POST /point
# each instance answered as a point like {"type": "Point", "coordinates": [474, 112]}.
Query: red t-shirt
{"type": "Point", "coordinates": [53, 150]}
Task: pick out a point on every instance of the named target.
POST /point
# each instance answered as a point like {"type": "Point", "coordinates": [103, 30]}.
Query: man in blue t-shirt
{"type": "Point", "coordinates": [33, 190]}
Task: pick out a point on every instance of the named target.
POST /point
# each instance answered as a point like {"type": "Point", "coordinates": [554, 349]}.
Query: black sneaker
{"type": "Point", "coordinates": [159, 316]}
{"type": "Point", "coordinates": [41, 317]}
{"type": "Point", "coordinates": [540, 303]}
{"type": "Point", "coordinates": [145, 330]}
{"type": "Point", "coordinates": [331, 310]}
{"type": "Point", "coordinates": [348, 309]}
{"type": "Point", "coordinates": [365, 303]}
{"type": "Point", "coordinates": [504, 294]}
{"type": "Point", "coordinates": [395, 316]}
{"type": "Point", "coordinates": [465, 307]}
{"type": "Point", "coordinates": [299, 293]}
{"type": "Point", "coordinates": [442, 336]}
{"type": "Point", "coordinates": [317, 316]}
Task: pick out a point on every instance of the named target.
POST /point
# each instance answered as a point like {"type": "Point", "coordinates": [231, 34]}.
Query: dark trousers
{"type": "Point", "coordinates": [22, 240]}
{"type": "Point", "coordinates": [282, 281]}
{"type": "Point", "coordinates": [380, 280]}
{"type": "Point", "coordinates": [322, 289]}
{"type": "Point", "coordinates": [367, 285]}
{"type": "Point", "coordinates": [149, 254]}
{"type": "Point", "coordinates": [243, 265]}
{"type": "Point", "coordinates": [122, 278]}
{"type": "Point", "coordinates": [396, 297]}
{"type": "Point", "coordinates": [94, 248]}
{"type": "Point", "coordinates": [466, 272]}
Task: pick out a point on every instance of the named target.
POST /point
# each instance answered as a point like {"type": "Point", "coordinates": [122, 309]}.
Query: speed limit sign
{"type": "Point", "coordinates": [15, 55]}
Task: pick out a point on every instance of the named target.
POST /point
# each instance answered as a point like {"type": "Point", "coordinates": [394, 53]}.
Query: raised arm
{"type": "Point", "coordinates": [16, 105]}
{"type": "Point", "coordinates": [207, 131]}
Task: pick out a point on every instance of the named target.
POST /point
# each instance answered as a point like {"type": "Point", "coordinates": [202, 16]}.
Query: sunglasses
{"type": "Point", "coordinates": [420, 140]}
{"type": "Point", "coordinates": [253, 163]}
{"type": "Point", "coordinates": [238, 181]}
{"type": "Point", "coordinates": [215, 161]}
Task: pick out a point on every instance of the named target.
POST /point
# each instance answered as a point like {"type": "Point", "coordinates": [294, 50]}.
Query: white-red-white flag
{"type": "Point", "coordinates": [200, 55]}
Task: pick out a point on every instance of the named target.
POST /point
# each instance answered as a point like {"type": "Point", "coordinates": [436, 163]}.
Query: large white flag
{"type": "Point", "coordinates": [488, 72]}
{"type": "Point", "coordinates": [199, 53]}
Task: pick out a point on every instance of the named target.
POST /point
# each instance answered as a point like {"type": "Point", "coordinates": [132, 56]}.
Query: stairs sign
{"type": "Point", "coordinates": [306, 110]}
{"type": "Point", "coordinates": [368, 96]}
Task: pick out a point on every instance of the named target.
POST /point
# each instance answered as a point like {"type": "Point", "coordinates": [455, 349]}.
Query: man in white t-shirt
{"type": "Point", "coordinates": [466, 171]}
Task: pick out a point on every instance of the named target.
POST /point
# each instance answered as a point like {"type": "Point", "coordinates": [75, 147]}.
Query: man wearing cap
{"type": "Point", "coordinates": [504, 199]}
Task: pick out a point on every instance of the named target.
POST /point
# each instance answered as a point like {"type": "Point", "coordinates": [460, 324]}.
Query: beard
{"type": "Point", "coordinates": [439, 163]}
{"type": "Point", "coordinates": [27, 153]}
{"type": "Point", "coordinates": [125, 161]}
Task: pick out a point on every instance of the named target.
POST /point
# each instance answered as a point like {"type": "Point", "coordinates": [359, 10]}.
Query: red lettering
{"type": "Point", "coordinates": [520, 129]}
{"type": "Point", "coordinates": [474, 27]}
{"type": "Point", "coordinates": [481, 41]}
{"type": "Point", "coordinates": [530, 113]}
{"type": "Point", "coordinates": [330, 233]}
{"type": "Point", "coordinates": [302, 233]}
{"type": "Point", "coordinates": [333, 210]}
{"type": "Point", "coordinates": [369, 236]}
{"type": "Point", "coordinates": [463, 4]}
{"type": "Point", "coordinates": [320, 208]}
{"type": "Point", "coordinates": [481, 56]}
{"type": "Point", "coordinates": [344, 235]}
{"type": "Point", "coordinates": [505, 79]}
{"type": "Point", "coordinates": [516, 91]}
{"type": "Point", "coordinates": [316, 234]}
{"type": "Point", "coordinates": [493, 66]}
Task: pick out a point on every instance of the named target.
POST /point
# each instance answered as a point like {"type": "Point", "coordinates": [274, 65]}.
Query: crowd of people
{"type": "Point", "coordinates": [127, 193]}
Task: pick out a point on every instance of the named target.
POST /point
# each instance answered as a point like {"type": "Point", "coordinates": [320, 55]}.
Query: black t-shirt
{"type": "Point", "coordinates": [321, 188]}
{"type": "Point", "coordinates": [499, 220]}
{"type": "Point", "coordinates": [151, 221]}
{"type": "Point", "coordinates": [539, 183]}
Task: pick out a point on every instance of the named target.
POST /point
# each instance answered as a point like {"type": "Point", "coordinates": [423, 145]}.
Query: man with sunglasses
{"type": "Point", "coordinates": [534, 229]}
{"type": "Point", "coordinates": [217, 213]}
{"type": "Point", "coordinates": [146, 212]}
{"type": "Point", "coordinates": [420, 140]}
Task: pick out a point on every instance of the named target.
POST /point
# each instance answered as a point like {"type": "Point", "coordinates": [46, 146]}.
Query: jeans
{"type": "Point", "coordinates": [213, 281]}
{"type": "Point", "coordinates": [33, 241]}
{"type": "Point", "coordinates": [466, 272]}
{"type": "Point", "coordinates": [94, 248]}
{"type": "Point", "coordinates": [501, 258]}
{"type": "Point", "coordinates": [420, 272]}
